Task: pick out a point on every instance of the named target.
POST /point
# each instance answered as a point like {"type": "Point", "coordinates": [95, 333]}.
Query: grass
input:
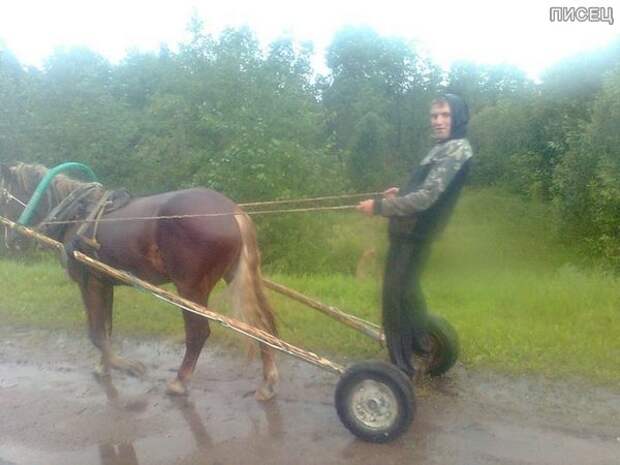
{"type": "Point", "coordinates": [519, 301]}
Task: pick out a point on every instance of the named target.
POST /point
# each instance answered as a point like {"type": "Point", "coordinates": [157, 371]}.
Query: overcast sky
{"type": "Point", "coordinates": [518, 33]}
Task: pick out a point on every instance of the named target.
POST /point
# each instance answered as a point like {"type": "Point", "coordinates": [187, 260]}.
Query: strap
{"type": "Point", "coordinates": [95, 214]}
{"type": "Point", "coordinates": [70, 208]}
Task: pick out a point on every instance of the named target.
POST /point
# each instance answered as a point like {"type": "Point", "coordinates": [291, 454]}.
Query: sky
{"type": "Point", "coordinates": [491, 32]}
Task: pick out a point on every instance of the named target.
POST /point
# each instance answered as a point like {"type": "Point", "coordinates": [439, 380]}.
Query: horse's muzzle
{"type": "Point", "coordinates": [13, 240]}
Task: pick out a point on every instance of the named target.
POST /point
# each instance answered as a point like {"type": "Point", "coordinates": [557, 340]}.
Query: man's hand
{"type": "Point", "coordinates": [366, 207]}
{"type": "Point", "coordinates": [390, 193]}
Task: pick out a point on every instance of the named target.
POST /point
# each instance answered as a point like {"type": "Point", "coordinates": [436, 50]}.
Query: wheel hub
{"type": "Point", "coordinates": [374, 405]}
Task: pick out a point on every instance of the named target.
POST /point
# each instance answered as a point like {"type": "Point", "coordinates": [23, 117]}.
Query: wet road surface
{"type": "Point", "coordinates": [54, 411]}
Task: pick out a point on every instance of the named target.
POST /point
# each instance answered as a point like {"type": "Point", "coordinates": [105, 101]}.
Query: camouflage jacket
{"type": "Point", "coordinates": [438, 168]}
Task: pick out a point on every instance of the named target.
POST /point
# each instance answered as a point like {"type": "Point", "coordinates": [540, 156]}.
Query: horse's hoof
{"type": "Point", "coordinates": [101, 372]}
{"type": "Point", "coordinates": [176, 388]}
{"type": "Point", "coordinates": [135, 368]}
{"type": "Point", "coordinates": [264, 393]}
{"type": "Point", "coordinates": [131, 367]}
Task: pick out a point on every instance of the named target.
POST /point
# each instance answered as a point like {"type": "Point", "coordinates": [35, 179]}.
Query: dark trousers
{"type": "Point", "coordinates": [404, 306]}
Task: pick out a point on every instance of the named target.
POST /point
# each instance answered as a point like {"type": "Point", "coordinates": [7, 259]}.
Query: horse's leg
{"type": "Point", "coordinates": [196, 333]}
{"type": "Point", "coordinates": [270, 374]}
{"type": "Point", "coordinates": [98, 297]}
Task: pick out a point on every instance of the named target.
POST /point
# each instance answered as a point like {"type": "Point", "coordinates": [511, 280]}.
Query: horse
{"type": "Point", "coordinates": [210, 238]}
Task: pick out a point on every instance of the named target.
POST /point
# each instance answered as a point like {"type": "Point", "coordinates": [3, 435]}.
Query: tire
{"type": "Point", "coordinates": [444, 343]}
{"type": "Point", "coordinates": [375, 401]}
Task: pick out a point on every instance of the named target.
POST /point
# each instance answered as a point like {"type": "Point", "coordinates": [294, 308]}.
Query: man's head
{"type": "Point", "coordinates": [449, 117]}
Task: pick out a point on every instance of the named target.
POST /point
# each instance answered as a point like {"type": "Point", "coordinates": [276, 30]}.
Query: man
{"type": "Point", "coordinates": [416, 215]}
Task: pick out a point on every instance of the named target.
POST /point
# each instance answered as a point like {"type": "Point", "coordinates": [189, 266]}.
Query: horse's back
{"type": "Point", "coordinates": [187, 232]}
{"type": "Point", "coordinates": [197, 200]}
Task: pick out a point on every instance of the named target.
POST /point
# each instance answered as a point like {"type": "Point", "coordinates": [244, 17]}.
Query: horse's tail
{"type": "Point", "coordinates": [248, 293]}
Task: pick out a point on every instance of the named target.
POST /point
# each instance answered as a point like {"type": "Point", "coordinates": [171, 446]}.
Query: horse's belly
{"type": "Point", "coordinates": [135, 253]}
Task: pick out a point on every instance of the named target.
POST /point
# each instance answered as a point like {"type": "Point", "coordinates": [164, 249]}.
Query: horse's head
{"type": "Point", "coordinates": [11, 197]}
{"type": "Point", "coordinates": [17, 184]}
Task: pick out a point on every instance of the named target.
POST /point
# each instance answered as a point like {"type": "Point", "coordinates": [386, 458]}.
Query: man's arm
{"type": "Point", "coordinates": [367, 206]}
{"type": "Point", "coordinates": [435, 184]}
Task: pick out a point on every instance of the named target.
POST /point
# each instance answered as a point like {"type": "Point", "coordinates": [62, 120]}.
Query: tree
{"type": "Point", "coordinates": [15, 109]}
{"type": "Point", "coordinates": [587, 182]}
{"type": "Point", "coordinates": [367, 159]}
{"type": "Point", "coordinates": [385, 77]}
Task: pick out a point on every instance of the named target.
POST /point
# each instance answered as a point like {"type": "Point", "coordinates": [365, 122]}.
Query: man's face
{"type": "Point", "coordinates": [441, 121]}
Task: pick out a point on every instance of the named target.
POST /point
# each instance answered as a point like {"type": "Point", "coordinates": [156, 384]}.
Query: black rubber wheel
{"type": "Point", "coordinates": [375, 401]}
{"type": "Point", "coordinates": [444, 342]}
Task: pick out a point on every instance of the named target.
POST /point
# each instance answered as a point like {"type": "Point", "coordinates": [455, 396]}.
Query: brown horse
{"type": "Point", "coordinates": [193, 253]}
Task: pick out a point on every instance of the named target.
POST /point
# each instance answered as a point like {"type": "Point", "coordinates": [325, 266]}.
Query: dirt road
{"type": "Point", "coordinates": [53, 411]}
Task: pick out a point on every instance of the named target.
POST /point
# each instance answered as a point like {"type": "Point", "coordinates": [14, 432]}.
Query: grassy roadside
{"type": "Point", "coordinates": [518, 301]}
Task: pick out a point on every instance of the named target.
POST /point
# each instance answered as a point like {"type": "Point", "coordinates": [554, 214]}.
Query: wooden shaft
{"type": "Point", "coordinates": [366, 327]}
{"type": "Point", "coordinates": [26, 231]}
{"type": "Point", "coordinates": [235, 325]}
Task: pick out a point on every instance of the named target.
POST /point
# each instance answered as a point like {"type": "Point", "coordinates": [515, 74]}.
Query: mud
{"type": "Point", "coordinates": [54, 411]}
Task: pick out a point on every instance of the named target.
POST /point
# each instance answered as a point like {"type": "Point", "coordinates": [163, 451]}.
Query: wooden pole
{"type": "Point", "coordinates": [366, 327]}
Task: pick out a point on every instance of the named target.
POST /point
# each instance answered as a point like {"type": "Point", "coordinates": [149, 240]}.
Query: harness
{"type": "Point", "coordinates": [87, 203]}
{"type": "Point", "coordinates": [74, 206]}
{"type": "Point", "coordinates": [5, 198]}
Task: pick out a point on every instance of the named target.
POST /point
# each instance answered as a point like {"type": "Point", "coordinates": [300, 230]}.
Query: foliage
{"type": "Point", "coordinates": [587, 183]}
{"type": "Point", "coordinates": [258, 124]}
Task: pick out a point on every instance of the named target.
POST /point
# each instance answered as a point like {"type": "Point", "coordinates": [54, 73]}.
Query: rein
{"type": "Point", "coordinates": [5, 193]}
{"type": "Point", "coordinates": [5, 198]}
{"type": "Point", "coordinates": [251, 204]}
{"type": "Point", "coordinates": [206, 215]}
{"type": "Point", "coordinates": [51, 219]}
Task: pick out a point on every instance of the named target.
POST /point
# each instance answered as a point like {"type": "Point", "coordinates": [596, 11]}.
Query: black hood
{"type": "Point", "coordinates": [460, 115]}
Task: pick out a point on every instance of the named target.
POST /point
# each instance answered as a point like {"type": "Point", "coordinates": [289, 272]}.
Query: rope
{"type": "Point", "coordinates": [11, 196]}
{"type": "Point", "coordinates": [205, 215]}
{"type": "Point", "coordinates": [315, 199]}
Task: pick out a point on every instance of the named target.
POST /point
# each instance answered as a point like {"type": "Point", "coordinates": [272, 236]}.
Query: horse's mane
{"type": "Point", "coordinates": [27, 177]}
